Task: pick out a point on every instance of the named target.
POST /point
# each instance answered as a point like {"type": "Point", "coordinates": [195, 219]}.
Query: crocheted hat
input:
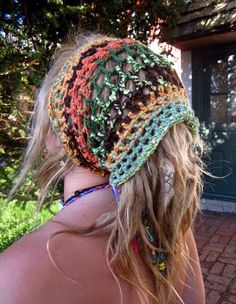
{"type": "Point", "coordinates": [112, 103]}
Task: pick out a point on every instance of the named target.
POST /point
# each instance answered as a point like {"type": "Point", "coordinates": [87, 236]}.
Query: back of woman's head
{"type": "Point", "coordinates": [120, 110]}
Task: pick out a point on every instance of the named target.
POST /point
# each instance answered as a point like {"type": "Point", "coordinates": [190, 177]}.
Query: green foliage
{"type": "Point", "coordinates": [18, 219]}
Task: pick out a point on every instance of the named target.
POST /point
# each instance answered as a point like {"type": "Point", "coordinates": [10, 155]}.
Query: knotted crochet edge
{"type": "Point", "coordinates": [126, 165]}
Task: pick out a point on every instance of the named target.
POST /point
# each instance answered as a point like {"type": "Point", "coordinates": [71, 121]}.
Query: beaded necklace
{"type": "Point", "coordinates": [157, 256]}
{"type": "Point", "coordinates": [79, 193]}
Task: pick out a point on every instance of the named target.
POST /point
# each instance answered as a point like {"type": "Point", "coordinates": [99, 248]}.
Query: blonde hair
{"type": "Point", "coordinates": [168, 185]}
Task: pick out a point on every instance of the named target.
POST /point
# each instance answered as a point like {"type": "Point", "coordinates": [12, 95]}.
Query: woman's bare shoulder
{"type": "Point", "coordinates": [29, 276]}
{"type": "Point", "coordinates": [27, 261]}
{"type": "Point", "coordinates": [193, 291]}
{"type": "Point", "coordinates": [21, 265]}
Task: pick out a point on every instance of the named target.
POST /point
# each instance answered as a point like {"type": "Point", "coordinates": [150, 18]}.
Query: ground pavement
{"type": "Point", "coordinates": [215, 235]}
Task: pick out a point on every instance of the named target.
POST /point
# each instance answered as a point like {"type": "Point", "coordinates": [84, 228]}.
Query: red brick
{"type": "Point", "coordinates": [226, 255]}
{"type": "Point", "coordinates": [212, 256]}
{"type": "Point", "coordinates": [225, 224]}
{"type": "Point", "coordinates": [215, 286]}
{"type": "Point", "coordinates": [203, 254]}
{"type": "Point", "coordinates": [229, 271]}
{"type": "Point", "coordinates": [202, 229]}
{"type": "Point", "coordinates": [206, 264]}
{"type": "Point", "coordinates": [213, 297]}
{"type": "Point", "coordinates": [215, 247]}
{"type": "Point", "coordinates": [197, 224]}
{"type": "Point", "coordinates": [206, 230]}
{"type": "Point", "coordinates": [225, 231]}
{"type": "Point", "coordinates": [216, 235]}
{"type": "Point", "coordinates": [217, 268]}
{"type": "Point", "coordinates": [227, 260]}
{"type": "Point", "coordinates": [205, 270]}
{"type": "Point", "coordinates": [224, 239]}
{"type": "Point", "coordinates": [233, 288]}
{"type": "Point", "coordinates": [230, 249]}
{"type": "Point", "coordinates": [233, 226]}
{"type": "Point", "coordinates": [218, 279]}
{"type": "Point", "coordinates": [211, 229]}
{"type": "Point", "coordinates": [215, 238]}
{"type": "Point", "coordinates": [201, 236]}
{"type": "Point", "coordinates": [200, 244]}
{"type": "Point", "coordinates": [232, 299]}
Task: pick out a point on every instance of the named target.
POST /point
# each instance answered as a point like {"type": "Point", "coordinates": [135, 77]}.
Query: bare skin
{"type": "Point", "coordinates": [28, 276]}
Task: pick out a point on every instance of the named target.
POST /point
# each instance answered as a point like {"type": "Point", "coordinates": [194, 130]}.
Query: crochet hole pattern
{"type": "Point", "coordinates": [112, 103]}
{"type": "Point", "coordinates": [180, 113]}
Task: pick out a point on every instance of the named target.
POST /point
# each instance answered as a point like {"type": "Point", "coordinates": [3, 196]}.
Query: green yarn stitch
{"type": "Point", "coordinates": [100, 122]}
{"type": "Point", "coordinates": [148, 58]}
{"type": "Point", "coordinates": [126, 166]}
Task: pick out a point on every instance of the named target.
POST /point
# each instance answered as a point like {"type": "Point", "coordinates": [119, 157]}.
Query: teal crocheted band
{"type": "Point", "coordinates": [142, 147]}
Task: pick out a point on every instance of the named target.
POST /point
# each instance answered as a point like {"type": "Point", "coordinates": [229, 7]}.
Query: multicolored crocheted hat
{"type": "Point", "coordinates": [112, 103]}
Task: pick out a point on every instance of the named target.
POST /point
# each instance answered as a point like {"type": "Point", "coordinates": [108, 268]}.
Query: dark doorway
{"type": "Point", "coordinates": [214, 101]}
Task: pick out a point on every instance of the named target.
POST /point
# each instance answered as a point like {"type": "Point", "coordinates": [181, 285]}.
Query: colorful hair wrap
{"type": "Point", "coordinates": [113, 102]}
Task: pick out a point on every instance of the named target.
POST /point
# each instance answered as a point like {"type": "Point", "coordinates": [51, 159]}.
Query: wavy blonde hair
{"type": "Point", "coordinates": [168, 185]}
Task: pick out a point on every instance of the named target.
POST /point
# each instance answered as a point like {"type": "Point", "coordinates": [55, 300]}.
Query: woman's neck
{"type": "Point", "coordinates": [87, 209]}
{"type": "Point", "coordinates": [80, 178]}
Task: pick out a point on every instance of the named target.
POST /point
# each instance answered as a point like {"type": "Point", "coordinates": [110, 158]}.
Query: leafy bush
{"type": "Point", "coordinates": [18, 219]}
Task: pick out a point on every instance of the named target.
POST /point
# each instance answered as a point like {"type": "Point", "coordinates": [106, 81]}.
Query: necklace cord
{"type": "Point", "coordinates": [79, 193]}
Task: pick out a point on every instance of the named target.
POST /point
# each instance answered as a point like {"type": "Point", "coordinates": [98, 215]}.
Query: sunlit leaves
{"type": "Point", "coordinates": [17, 219]}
